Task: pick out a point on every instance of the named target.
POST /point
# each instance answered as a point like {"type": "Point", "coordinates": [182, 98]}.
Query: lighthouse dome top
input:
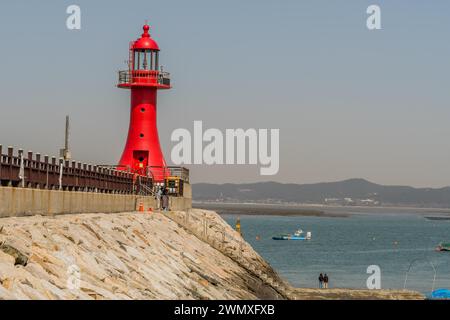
{"type": "Point", "coordinates": [145, 42]}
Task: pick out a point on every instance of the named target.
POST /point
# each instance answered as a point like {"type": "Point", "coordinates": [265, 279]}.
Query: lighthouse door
{"type": "Point", "coordinates": [140, 161]}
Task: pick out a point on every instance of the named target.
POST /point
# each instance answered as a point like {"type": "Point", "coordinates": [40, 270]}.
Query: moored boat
{"type": "Point", "coordinates": [440, 294]}
{"type": "Point", "coordinates": [443, 247]}
{"type": "Point", "coordinates": [298, 235]}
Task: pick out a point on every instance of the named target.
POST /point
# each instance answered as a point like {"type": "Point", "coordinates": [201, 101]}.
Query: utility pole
{"type": "Point", "coordinates": [65, 153]}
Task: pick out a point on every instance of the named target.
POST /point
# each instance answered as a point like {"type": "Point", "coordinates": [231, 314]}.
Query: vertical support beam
{"type": "Point", "coordinates": [10, 154]}
{"type": "Point", "coordinates": [22, 168]}
{"type": "Point", "coordinates": [1, 161]}
{"type": "Point", "coordinates": [39, 175]}
{"type": "Point", "coordinates": [46, 168]}
{"type": "Point", "coordinates": [29, 168]}
{"type": "Point", "coordinates": [66, 140]}
{"type": "Point", "coordinates": [61, 168]}
{"type": "Point", "coordinates": [75, 175]}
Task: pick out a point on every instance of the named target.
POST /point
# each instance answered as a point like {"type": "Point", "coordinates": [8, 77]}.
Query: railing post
{"type": "Point", "coordinates": [54, 172]}
{"type": "Point", "coordinates": [1, 160]}
{"type": "Point", "coordinates": [85, 177]}
{"type": "Point", "coordinates": [46, 167]}
{"type": "Point", "coordinates": [38, 167]}
{"type": "Point", "coordinates": [10, 162]}
{"type": "Point", "coordinates": [29, 167]}
{"type": "Point", "coordinates": [10, 154]}
{"type": "Point", "coordinates": [22, 169]}
{"type": "Point", "coordinates": [61, 166]}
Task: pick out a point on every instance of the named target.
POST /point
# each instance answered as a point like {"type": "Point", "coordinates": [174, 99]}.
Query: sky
{"type": "Point", "coordinates": [349, 102]}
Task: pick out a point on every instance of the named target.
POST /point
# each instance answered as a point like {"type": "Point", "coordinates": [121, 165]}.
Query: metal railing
{"type": "Point", "coordinates": [170, 178]}
{"type": "Point", "coordinates": [56, 174]}
{"type": "Point", "coordinates": [181, 172]}
{"type": "Point", "coordinates": [144, 77]}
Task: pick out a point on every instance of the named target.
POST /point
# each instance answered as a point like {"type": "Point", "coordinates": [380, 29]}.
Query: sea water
{"type": "Point", "coordinates": [345, 247]}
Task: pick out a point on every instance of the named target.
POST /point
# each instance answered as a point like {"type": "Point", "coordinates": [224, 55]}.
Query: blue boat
{"type": "Point", "coordinates": [440, 294]}
{"type": "Point", "coordinates": [298, 235]}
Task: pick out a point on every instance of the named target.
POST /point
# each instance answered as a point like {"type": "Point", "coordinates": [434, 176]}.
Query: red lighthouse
{"type": "Point", "coordinates": [144, 78]}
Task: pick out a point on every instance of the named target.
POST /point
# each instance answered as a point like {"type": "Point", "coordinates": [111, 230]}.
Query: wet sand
{"type": "Point", "coordinates": [267, 210]}
{"type": "Point", "coordinates": [354, 294]}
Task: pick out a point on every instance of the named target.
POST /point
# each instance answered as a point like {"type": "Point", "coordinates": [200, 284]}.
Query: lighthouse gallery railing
{"type": "Point", "coordinates": [144, 76]}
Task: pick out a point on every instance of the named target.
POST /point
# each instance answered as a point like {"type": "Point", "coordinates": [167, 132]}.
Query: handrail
{"type": "Point", "coordinates": [147, 76]}
{"type": "Point", "coordinates": [76, 176]}
{"type": "Point", "coordinates": [171, 171]}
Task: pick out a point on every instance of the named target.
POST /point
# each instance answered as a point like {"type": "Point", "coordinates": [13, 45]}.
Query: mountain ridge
{"type": "Point", "coordinates": [356, 191]}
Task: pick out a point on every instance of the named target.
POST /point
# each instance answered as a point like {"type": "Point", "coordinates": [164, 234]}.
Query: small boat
{"type": "Point", "coordinates": [440, 294]}
{"type": "Point", "coordinates": [298, 235]}
{"type": "Point", "coordinates": [443, 247]}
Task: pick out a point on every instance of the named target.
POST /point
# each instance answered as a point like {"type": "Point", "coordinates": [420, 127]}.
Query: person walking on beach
{"type": "Point", "coordinates": [325, 281]}
{"type": "Point", "coordinates": [321, 281]}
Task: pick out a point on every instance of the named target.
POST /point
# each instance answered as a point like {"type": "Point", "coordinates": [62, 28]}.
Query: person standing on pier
{"type": "Point", "coordinates": [321, 281]}
{"type": "Point", "coordinates": [325, 281]}
{"type": "Point", "coordinates": [165, 200]}
{"type": "Point", "coordinates": [158, 198]}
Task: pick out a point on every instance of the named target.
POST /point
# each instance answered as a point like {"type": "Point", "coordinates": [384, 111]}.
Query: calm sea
{"type": "Point", "coordinates": [345, 247]}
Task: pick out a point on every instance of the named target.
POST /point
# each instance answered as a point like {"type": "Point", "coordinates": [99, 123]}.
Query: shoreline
{"type": "Point", "coordinates": [444, 210]}
{"type": "Point", "coordinates": [283, 212]}
{"type": "Point", "coordinates": [317, 209]}
{"type": "Point", "coordinates": [354, 294]}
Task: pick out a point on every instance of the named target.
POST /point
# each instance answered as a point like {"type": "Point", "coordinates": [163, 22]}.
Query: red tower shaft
{"type": "Point", "coordinates": [142, 153]}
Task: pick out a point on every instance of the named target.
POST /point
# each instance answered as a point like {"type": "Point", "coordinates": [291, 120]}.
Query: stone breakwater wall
{"type": "Point", "coordinates": [15, 202]}
{"type": "Point", "coordinates": [127, 256]}
{"type": "Point", "coordinates": [190, 254]}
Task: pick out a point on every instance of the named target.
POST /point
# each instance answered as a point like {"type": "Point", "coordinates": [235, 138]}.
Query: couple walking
{"type": "Point", "coordinates": [323, 281]}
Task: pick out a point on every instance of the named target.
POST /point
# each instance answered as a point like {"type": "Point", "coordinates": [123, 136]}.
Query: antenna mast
{"type": "Point", "coordinates": [65, 153]}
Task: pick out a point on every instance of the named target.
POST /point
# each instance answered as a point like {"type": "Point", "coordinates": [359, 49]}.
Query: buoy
{"type": "Point", "coordinates": [238, 226]}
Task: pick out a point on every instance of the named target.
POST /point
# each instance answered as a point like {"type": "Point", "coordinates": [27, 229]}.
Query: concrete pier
{"type": "Point", "coordinates": [16, 202]}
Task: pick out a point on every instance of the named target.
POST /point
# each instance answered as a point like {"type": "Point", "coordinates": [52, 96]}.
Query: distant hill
{"type": "Point", "coordinates": [348, 192]}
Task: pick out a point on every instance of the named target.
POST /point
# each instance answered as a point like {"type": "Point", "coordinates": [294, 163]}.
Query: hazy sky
{"type": "Point", "coordinates": [349, 102]}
